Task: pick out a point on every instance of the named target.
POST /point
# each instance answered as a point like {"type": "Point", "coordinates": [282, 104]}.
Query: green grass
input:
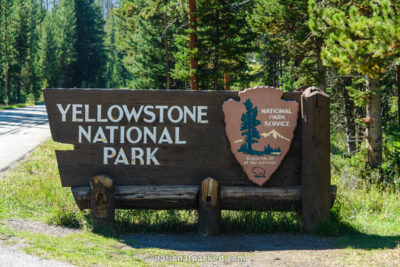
{"type": "Point", "coordinates": [364, 204]}
{"type": "Point", "coordinates": [365, 218]}
{"type": "Point", "coordinates": [84, 249]}
{"type": "Point", "coordinates": [33, 190]}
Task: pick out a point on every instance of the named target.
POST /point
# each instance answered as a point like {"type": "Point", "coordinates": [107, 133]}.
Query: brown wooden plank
{"type": "Point", "coordinates": [193, 134]}
{"type": "Point", "coordinates": [77, 174]}
{"type": "Point", "coordinates": [75, 168]}
{"type": "Point", "coordinates": [145, 197]}
{"type": "Point", "coordinates": [66, 132]}
{"type": "Point", "coordinates": [185, 197]}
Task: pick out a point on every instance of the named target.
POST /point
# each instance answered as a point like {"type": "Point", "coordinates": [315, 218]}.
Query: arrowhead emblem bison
{"type": "Point", "coordinates": [260, 128]}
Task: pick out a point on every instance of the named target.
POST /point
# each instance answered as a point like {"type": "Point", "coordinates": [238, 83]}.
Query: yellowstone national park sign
{"type": "Point", "coordinates": [260, 128]}
{"type": "Point", "coordinates": [150, 137]}
{"type": "Point", "coordinates": [207, 150]}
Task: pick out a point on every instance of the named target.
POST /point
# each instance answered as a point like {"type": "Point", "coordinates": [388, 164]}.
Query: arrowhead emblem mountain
{"type": "Point", "coordinates": [275, 135]}
{"type": "Point", "coordinates": [272, 133]}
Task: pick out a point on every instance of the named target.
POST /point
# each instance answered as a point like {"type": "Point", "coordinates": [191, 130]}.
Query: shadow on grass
{"type": "Point", "coordinates": [346, 236]}
{"type": "Point", "coordinates": [367, 242]}
{"type": "Point", "coordinates": [247, 242]}
{"type": "Point", "coordinates": [242, 231]}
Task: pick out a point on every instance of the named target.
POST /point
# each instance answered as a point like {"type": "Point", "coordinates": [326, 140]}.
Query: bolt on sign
{"type": "Point", "coordinates": [155, 147]}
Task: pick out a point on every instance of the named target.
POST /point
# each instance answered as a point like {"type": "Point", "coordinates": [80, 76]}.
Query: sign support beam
{"type": "Point", "coordinates": [210, 208]}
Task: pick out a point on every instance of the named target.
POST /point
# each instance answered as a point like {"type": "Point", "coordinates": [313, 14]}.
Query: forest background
{"type": "Point", "coordinates": [348, 48]}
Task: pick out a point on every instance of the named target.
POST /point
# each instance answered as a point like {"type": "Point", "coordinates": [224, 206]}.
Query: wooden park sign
{"type": "Point", "coordinates": [170, 149]}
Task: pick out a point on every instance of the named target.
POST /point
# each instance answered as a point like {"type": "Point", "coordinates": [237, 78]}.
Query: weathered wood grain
{"type": "Point", "coordinates": [145, 197]}
{"type": "Point", "coordinates": [102, 201]}
{"type": "Point", "coordinates": [315, 176]}
{"type": "Point", "coordinates": [186, 197]}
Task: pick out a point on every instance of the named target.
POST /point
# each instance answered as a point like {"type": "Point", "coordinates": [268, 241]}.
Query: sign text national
{"type": "Point", "coordinates": [104, 132]}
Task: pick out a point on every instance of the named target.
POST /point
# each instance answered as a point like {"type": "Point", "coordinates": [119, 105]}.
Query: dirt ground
{"type": "Point", "coordinates": [244, 249]}
{"type": "Point", "coordinates": [238, 249]}
{"type": "Point", "coordinates": [38, 227]}
{"type": "Point", "coordinates": [226, 250]}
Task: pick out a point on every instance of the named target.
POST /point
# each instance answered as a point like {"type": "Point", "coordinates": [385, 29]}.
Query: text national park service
{"type": "Point", "coordinates": [109, 133]}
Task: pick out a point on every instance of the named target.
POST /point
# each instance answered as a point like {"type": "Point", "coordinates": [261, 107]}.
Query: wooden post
{"type": "Point", "coordinates": [315, 168]}
{"type": "Point", "coordinates": [102, 201]}
{"type": "Point", "coordinates": [209, 208]}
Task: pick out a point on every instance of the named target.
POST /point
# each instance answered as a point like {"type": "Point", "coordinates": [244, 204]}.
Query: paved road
{"type": "Point", "coordinates": [21, 131]}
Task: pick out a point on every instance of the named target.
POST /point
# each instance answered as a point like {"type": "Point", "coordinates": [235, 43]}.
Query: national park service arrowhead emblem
{"type": "Point", "coordinates": [260, 128]}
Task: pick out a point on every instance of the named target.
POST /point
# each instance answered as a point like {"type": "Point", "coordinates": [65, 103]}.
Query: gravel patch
{"type": "Point", "coordinates": [39, 227]}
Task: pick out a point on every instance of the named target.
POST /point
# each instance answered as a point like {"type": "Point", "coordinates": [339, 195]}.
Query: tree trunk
{"type": "Point", "coordinates": [192, 45]}
{"type": "Point", "coordinates": [398, 92]}
{"type": "Point", "coordinates": [321, 68]}
{"type": "Point", "coordinates": [227, 81]}
{"type": "Point", "coordinates": [216, 54]}
{"type": "Point", "coordinates": [348, 116]}
{"type": "Point", "coordinates": [5, 92]}
{"type": "Point", "coordinates": [374, 123]}
{"type": "Point", "coordinates": [40, 17]}
{"type": "Point", "coordinates": [19, 84]}
{"type": "Point", "coordinates": [30, 51]}
{"type": "Point", "coordinates": [6, 67]}
{"type": "Point", "coordinates": [166, 47]}
{"type": "Point", "coordinates": [359, 113]}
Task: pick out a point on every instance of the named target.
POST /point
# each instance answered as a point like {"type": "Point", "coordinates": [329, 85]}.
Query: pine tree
{"type": "Point", "coordinates": [116, 73]}
{"type": "Point", "coordinates": [89, 66]}
{"type": "Point", "coordinates": [32, 79]}
{"type": "Point", "coordinates": [47, 54]}
{"type": "Point", "coordinates": [223, 43]}
{"type": "Point", "coordinates": [65, 35]}
{"type": "Point", "coordinates": [19, 16]}
{"type": "Point", "coordinates": [7, 40]}
{"type": "Point", "coordinates": [248, 128]}
{"type": "Point", "coordinates": [289, 53]}
{"type": "Point", "coordinates": [361, 36]}
{"type": "Point", "coordinates": [139, 34]}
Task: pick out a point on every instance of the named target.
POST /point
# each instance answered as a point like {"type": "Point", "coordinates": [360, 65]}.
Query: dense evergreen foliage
{"type": "Point", "coordinates": [50, 44]}
{"type": "Point", "coordinates": [348, 48]}
{"type": "Point", "coordinates": [88, 69]}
